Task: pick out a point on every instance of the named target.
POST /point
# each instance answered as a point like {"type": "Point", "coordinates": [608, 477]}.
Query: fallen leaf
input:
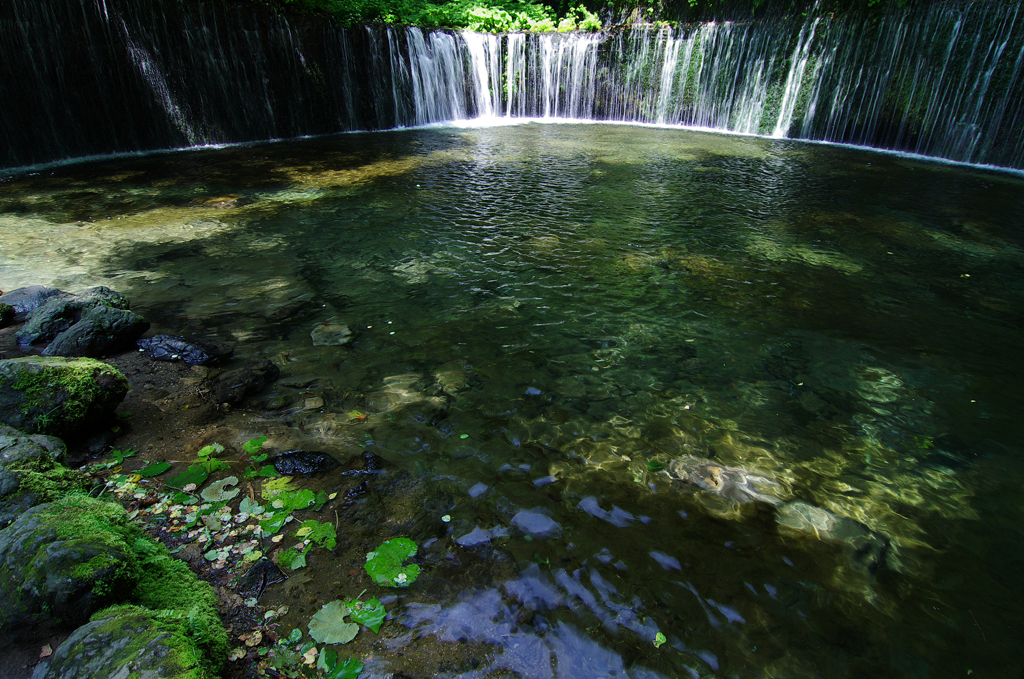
{"type": "Point", "coordinates": [45, 651]}
{"type": "Point", "coordinates": [236, 654]}
{"type": "Point", "coordinates": [254, 639]}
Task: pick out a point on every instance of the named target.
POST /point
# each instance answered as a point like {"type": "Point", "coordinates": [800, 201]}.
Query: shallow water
{"type": "Point", "coordinates": [547, 317]}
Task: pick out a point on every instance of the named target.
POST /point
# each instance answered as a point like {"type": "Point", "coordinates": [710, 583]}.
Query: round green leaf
{"type": "Point", "coordinates": [385, 564]}
{"type": "Point", "coordinates": [329, 627]}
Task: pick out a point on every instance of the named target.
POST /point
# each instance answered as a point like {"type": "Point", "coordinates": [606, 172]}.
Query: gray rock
{"type": "Point", "coordinates": [234, 386]}
{"type": "Point", "coordinates": [864, 547]}
{"type": "Point", "coordinates": [9, 482]}
{"type": "Point", "coordinates": [58, 396]}
{"type": "Point", "coordinates": [61, 562]}
{"type": "Point", "coordinates": [730, 483]}
{"type": "Point", "coordinates": [17, 447]}
{"type": "Point", "coordinates": [102, 331]}
{"type": "Point", "coordinates": [60, 312]}
{"type": "Point", "coordinates": [25, 300]}
{"type": "Point", "coordinates": [133, 642]}
{"type": "Point", "coordinates": [330, 335]}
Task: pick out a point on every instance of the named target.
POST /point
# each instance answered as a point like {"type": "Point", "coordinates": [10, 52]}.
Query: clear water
{"type": "Point", "coordinates": [545, 315]}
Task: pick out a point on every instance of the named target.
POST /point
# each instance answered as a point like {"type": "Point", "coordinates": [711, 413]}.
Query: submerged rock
{"type": "Point", "coordinates": [864, 547]}
{"type": "Point", "coordinates": [129, 642]}
{"type": "Point", "coordinates": [58, 396]}
{"type": "Point", "coordinates": [234, 386]}
{"type": "Point", "coordinates": [61, 562]}
{"type": "Point", "coordinates": [256, 580]}
{"type": "Point", "coordinates": [174, 348]}
{"type": "Point", "coordinates": [731, 483]}
{"type": "Point", "coordinates": [302, 462]}
{"type": "Point", "coordinates": [330, 334]}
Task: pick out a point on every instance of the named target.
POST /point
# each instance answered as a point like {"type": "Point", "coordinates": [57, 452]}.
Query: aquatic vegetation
{"type": "Point", "coordinates": [385, 564]}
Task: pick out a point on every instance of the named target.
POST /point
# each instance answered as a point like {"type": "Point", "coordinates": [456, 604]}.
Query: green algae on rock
{"type": "Point", "coordinates": [61, 562]}
{"type": "Point", "coordinates": [58, 396]}
{"type": "Point", "coordinates": [126, 641]}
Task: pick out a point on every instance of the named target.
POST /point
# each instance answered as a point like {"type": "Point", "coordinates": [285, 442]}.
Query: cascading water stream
{"type": "Point", "coordinates": [944, 80]}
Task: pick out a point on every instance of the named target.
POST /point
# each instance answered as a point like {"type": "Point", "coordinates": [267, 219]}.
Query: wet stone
{"type": "Point", "coordinates": [174, 348]}
{"type": "Point", "coordinates": [330, 335]}
{"type": "Point", "coordinates": [235, 386]}
{"type": "Point", "coordinates": [256, 580]}
{"type": "Point", "coordinates": [25, 300]}
{"type": "Point", "coordinates": [730, 483]}
{"type": "Point", "coordinates": [303, 462]}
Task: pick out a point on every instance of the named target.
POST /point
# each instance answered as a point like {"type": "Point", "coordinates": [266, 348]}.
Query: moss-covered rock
{"type": "Point", "coordinates": [60, 312]}
{"type": "Point", "coordinates": [29, 464]}
{"type": "Point", "coordinates": [61, 562]}
{"type": "Point", "coordinates": [128, 642]}
{"type": "Point", "coordinates": [58, 396]}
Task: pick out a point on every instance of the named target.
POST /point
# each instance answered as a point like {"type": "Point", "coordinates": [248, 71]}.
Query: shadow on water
{"type": "Point", "coordinates": [756, 396]}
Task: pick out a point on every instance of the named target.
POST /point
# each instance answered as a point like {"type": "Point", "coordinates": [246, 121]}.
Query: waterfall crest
{"type": "Point", "coordinates": [943, 81]}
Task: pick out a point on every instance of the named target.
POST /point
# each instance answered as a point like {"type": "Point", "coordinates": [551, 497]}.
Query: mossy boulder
{"type": "Point", "coordinates": [95, 322]}
{"type": "Point", "coordinates": [63, 561]}
{"type": "Point", "coordinates": [129, 642]}
{"type": "Point", "coordinates": [22, 453]}
{"type": "Point", "coordinates": [58, 396]}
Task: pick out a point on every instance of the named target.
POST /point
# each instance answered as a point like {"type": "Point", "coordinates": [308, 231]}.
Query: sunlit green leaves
{"type": "Point", "coordinates": [318, 533]}
{"type": "Point", "coordinates": [385, 565]}
{"type": "Point", "coordinates": [154, 469]}
{"type": "Point", "coordinates": [370, 613]}
{"type": "Point", "coordinates": [292, 558]}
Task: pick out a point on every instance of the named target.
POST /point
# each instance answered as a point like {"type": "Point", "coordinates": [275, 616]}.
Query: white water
{"type": "Point", "coordinates": [855, 83]}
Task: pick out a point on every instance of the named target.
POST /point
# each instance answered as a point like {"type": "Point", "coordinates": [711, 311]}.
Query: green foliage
{"type": "Point", "coordinates": [370, 613]}
{"type": "Point", "coordinates": [385, 567]}
{"type": "Point", "coordinates": [328, 626]}
{"type": "Point", "coordinates": [206, 458]}
{"type": "Point", "coordinates": [292, 558]}
{"type": "Point", "coordinates": [195, 474]}
{"type": "Point", "coordinates": [252, 448]}
{"type": "Point", "coordinates": [49, 480]}
{"type": "Point", "coordinates": [489, 16]}
{"type": "Point", "coordinates": [154, 469]}
{"type": "Point", "coordinates": [318, 533]}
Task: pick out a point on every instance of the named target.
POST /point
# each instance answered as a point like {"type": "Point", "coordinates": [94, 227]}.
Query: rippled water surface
{"type": "Point", "coordinates": [759, 396]}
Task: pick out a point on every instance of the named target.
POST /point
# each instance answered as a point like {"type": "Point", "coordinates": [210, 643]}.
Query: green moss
{"type": "Point", "coordinates": [168, 587]}
{"type": "Point", "coordinates": [48, 480]}
{"type": "Point", "coordinates": [74, 384]}
{"type": "Point", "coordinates": [164, 585]}
{"type": "Point", "coordinates": [77, 515]}
{"type": "Point", "coordinates": [184, 660]}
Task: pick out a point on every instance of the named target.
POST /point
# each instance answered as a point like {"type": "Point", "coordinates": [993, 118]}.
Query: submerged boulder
{"type": "Point", "coordinates": [174, 348]}
{"type": "Point", "coordinates": [61, 562]}
{"type": "Point", "coordinates": [730, 483]}
{"type": "Point", "coordinates": [234, 386]}
{"type": "Point", "coordinates": [126, 641]}
{"type": "Point", "coordinates": [95, 322]}
{"type": "Point", "coordinates": [58, 396]}
{"type": "Point", "coordinates": [864, 547]}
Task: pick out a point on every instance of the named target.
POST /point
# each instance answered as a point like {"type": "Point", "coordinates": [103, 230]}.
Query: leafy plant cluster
{"type": "Point", "coordinates": [489, 16]}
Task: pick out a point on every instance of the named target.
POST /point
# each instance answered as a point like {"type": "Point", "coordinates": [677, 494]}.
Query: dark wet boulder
{"type": "Point", "coordinates": [58, 396]}
{"type": "Point", "coordinates": [235, 386]}
{"type": "Point", "coordinates": [61, 562]}
{"type": "Point", "coordinates": [174, 348]}
{"type": "Point", "coordinates": [303, 462]}
{"type": "Point", "coordinates": [60, 312]}
{"type": "Point", "coordinates": [6, 315]}
{"type": "Point", "coordinates": [28, 299]}
{"type": "Point", "coordinates": [102, 331]}
{"type": "Point", "coordinates": [127, 641]}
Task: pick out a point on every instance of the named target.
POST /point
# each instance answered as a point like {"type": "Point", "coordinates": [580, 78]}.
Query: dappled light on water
{"type": "Point", "coordinates": [754, 396]}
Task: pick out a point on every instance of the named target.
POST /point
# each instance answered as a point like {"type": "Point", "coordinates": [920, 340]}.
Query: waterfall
{"type": "Point", "coordinates": [102, 76]}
